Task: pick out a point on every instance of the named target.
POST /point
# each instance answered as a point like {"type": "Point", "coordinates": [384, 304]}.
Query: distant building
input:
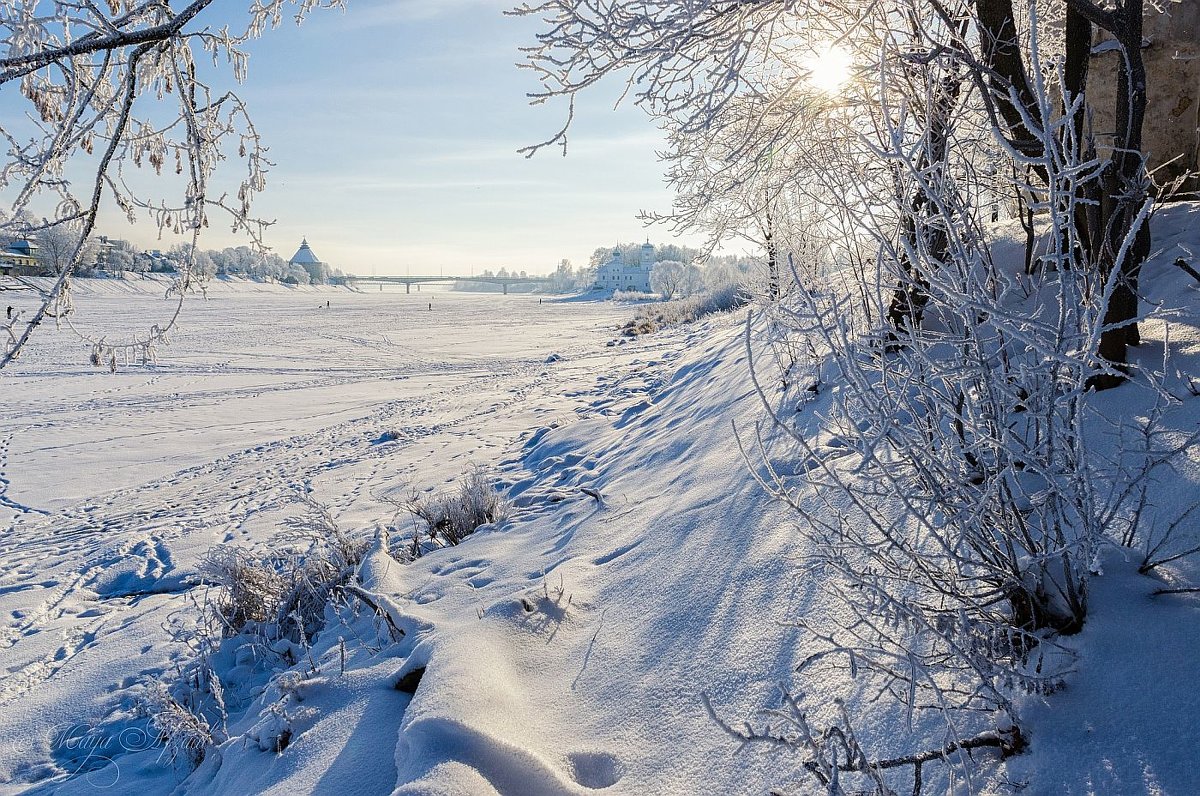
{"type": "Point", "coordinates": [318, 272]}
{"type": "Point", "coordinates": [616, 274]}
{"type": "Point", "coordinates": [103, 247]}
{"type": "Point", "coordinates": [19, 257]}
{"type": "Point", "coordinates": [160, 262]}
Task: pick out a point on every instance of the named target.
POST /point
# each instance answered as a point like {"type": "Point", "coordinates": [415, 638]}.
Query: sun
{"type": "Point", "coordinates": [828, 68]}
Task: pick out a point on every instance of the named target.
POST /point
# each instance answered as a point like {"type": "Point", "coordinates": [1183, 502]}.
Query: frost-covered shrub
{"type": "Point", "coordinates": [653, 317]}
{"type": "Point", "coordinates": [185, 734]}
{"type": "Point", "coordinates": [284, 594]}
{"type": "Point", "coordinates": [641, 324]}
{"type": "Point", "coordinates": [325, 559]}
{"type": "Point", "coordinates": [250, 589]}
{"type": "Point", "coordinates": [632, 296]}
{"type": "Point", "coordinates": [263, 616]}
{"type": "Point", "coordinates": [449, 517]}
{"type": "Point", "coordinates": [949, 490]}
{"type": "Point", "coordinates": [722, 298]}
{"type": "Point", "coordinates": [945, 488]}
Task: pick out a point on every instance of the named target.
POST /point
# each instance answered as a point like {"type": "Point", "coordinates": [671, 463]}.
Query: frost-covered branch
{"type": "Point", "coordinates": [118, 87]}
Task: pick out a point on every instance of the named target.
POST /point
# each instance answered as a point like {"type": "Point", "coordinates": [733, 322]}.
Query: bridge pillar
{"type": "Point", "coordinates": [408, 287]}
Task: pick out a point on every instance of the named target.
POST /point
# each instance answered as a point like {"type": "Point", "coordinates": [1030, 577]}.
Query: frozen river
{"type": "Point", "coordinates": [250, 370]}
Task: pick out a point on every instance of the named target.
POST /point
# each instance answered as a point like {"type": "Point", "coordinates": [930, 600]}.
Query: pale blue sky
{"type": "Point", "coordinates": [395, 125]}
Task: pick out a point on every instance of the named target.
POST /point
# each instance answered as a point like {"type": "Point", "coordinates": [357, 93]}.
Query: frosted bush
{"type": "Point", "coordinates": [447, 518]}
{"type": "Point", "coordinates": [284, 594]}
{"type": "Point", "coordinates": [250, 590]}
{"type": "Point", "coordinates": [185, 734]}
{"type": "Point", "coordinates": [263, 616]}
{"type": "Point", "coordinates": [653, 317]}
{"type": "Point", "coordinates": [632, 296]}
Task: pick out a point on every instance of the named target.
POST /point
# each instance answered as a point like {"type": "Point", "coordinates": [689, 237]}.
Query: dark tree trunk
{"type": "Point", "coordinates": [1123, 191]}
{"type": "Point", "coordinates": [772, 254]}
{"type": "Point", "coordinates": [907, 307]}
{"type": "Point", "coordinates": [1002, 52]}
{"type": "Point", "coordinates": [928, 241]}
{"type": "Point", "coordinates": [1108, 217]}
{"type": "Point", "coordinates": [1078, 35]}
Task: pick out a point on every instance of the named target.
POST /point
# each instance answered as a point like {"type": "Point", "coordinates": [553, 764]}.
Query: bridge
{"type": "Point", "coordinates": [409, 281]}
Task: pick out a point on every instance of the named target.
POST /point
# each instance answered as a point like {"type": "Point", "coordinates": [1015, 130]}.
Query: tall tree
{"type": "Point", "coordinates": [1111, 207]}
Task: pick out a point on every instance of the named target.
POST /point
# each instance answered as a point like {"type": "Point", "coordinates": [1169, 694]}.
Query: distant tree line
{"type": "Point", "coordinates": [630, 252]}
{"type": "Point", "coordinates": [502, 273]}
{"type": "Point", "coordinates": [684, 271]}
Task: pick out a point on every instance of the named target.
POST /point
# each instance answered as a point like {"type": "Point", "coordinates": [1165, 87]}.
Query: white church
{"type": "Point", "coordinates": [616, 274]}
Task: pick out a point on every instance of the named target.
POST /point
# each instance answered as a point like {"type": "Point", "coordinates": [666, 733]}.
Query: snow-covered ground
{"type": "Point", "coordinates": [112, 485]}
{"type": "Point", "coordinates": [567, 649]}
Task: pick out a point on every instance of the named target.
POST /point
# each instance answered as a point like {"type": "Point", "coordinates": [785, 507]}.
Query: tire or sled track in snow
{"type": "Point", "coordinates": [54, 606]}
{"type": "Point", "coordinates": [76, 640]}
{"type": "Point", "coordinates": [278, 464]}
{"type": "Point", "coordinates": [79, 636]}
{"type": "Point", "coordinates": [49, 610]}
{"type": "Point", "coordinates": [193, 394]}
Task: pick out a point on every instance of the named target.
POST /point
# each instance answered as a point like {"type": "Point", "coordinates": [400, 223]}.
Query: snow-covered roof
{"type": "Point", "coordinates": [21, 246]}
{"type": "Point", "coordinates": [304, 255]}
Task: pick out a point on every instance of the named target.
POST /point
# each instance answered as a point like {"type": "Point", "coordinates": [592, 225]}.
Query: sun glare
{"type": "Point", "coordinates": [829, 69]}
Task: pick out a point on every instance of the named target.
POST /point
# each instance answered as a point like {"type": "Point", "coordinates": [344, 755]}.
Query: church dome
{"type": "Point", "coordinates": [304, 255]}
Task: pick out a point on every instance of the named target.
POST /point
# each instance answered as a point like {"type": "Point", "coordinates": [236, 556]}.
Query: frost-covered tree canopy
{"type": "Point", "coordinates": [125, 84]}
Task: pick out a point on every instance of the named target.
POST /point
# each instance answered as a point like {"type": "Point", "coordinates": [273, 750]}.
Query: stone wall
{"type": "Point", "coordinates": [1171, 133]}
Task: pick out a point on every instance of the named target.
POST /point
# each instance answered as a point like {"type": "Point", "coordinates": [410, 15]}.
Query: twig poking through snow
{"type": "Point", "coordinates": [397, 631]}
{"type": "Point", "coordinates": [1188, 590]}
{"type": "Point", "coordinates": [1183, 264]}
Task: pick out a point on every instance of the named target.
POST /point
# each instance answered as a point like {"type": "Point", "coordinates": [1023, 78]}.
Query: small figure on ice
{"type": "Point", "coordinates": [431, 306]}
{"type": "Point", "coordinates": [10, 312]}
